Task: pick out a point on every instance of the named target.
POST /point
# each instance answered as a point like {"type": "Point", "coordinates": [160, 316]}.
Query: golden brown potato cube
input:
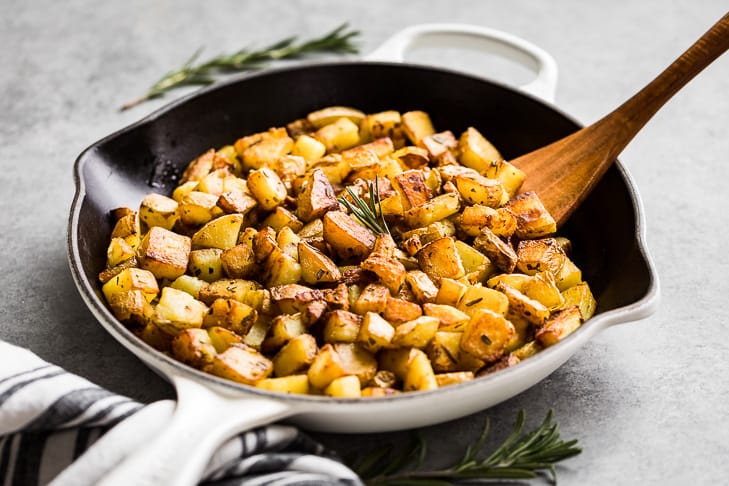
{"type": "Point", "coordinates": [258, 332]}
{"type": "Point", "coordinates": [360, 158]}
{"type": "Point", "coordinates": [417, 126]}
{"type": "Point", "coordinates": [282, 218]}
{"type": "Point", "coordinates": [381, 146]}
{"type": "Point", "coordinates": [439, 145]}
{"type": "Point", "coordinates": [496, 250]}
{"type": "Point", "coordinates": [236, 202]}
{"type": "Point", "coordinates": [313, 229]}
{"type": "Point", "coordinates": [228, 288]}
{"type": "Point", "coordinates": [241, 364]}
{"type": "Point", "coordinates": [419, 375]}
{"type": "Point", "coordinates": [299, 126]}
{"type": "Point", "coordinates": [532, 218]}
{"type": "Point", "coordinates": [198, 168]}
{"type": "Point", "coordinates": [480, 190]}
{"type": "Point", "coordinates": [411, 185]}
{"type": "Point", "coordinates": [316, 267]}
{"type": "Point", "coordinates": [178, 310]}
{"type": "Point", "coordinates": [422, 286]}
{"type": "Point", "coordinates": [131, 307]}
{"type": "Point", "coordinates": [539, 256]}
{"type": "Point", "coordinates": [474, 262]}
{"type": "Point", "coordinates": [382, 263]}
{"type": "Point", "coordinates": [286, 384]}
{"type": "Point", "coordinates": [477, 297]}
{"type": "Point", "coordinates": [330, 114]}
{"type": "Point", "coordinates": [290, 167]}
{"type": "Point", "coordinates": [266, 186]}
{"type": "Point", "coordinates": [158, 210]}
{"type": "Point", "coordinates": [164, 253]}
{"type": "Point", "coordinates": [230, 314]}
{"type": "Point", "coordinates": [335, 168]}
{"type": "Point", "coordinates": [453, 378]}
{"type": "Point", "coordinates": [337, 298]}
{"type": "Point", "coordinates": [193, 347]}
{"type": "Point", "coordinates": [263, 149]}
{"type": "Point", "coordinates": [222, 338]}
{"type": "Point", "coordinates": [416, 333]}
{"type": "Point", "coordinates": [511, 177]}
{"type": "Point", "coordinates": [288, 242]}
{"type": "Point", "coordinates": [197, 208]}
{"type": "Point", "coordinates": [569, 275]}
{"type": "Point", "coordinates": [132, 279]}
{"type": "Point", "coordinates": [476, 152]}
{"type": "Point", "coordinates": [295, 356]}
{"type": "Point", "coordinates": [239, 261]}
{"type": "Point", "coordinates": [220, 233]}
{"type": "Point", "coordinates": [344, 387]}
{"type": "Point", "coordinates": [213, 182]}
{"type": "Point", "coordinates": [505, 362]}
{"type": "Point", "coordinates": [127, 227]}
{"type": "Point", "coordinates": [375, 332]}
{"type": "Point", "coordinates": [561, 325]}
{"type": "Point", "coordinates": [118, 252]}
{"type": "Point", "coordinates": [341, 359]}
{"type": "Point", "coordinates": [580, 295]}
{"type": "Point", "coordinates": [514, 280]}
{"type": "Point", "coordinates": [487, 335]}
{"type": "Point", "coordinates": [432, 232]}
{"type": "Point", "coordinates": [341, 326]}
{"type": "Point", "coordinates": [316, 197]}
{"type": "Point", "coordinates": [349, 239]}
{"type": "Point", "coordinates": [412, 245]}
{"type": "Point", "coordinates": [156, 337]}
{"type": "Point", "coordinates": [413, 157]}
{"type": "Point", "coordinates": [397, 360]}
{"type": "Point", "coordinates": [450, 292]}
{"type": "Point", "coordinates": [543, 288]}
{"type": "Point", "coordinates": [450, 318]}
{"type": "Point", "coordinates": [264, 241]}
{"type": "Point", "coordinates": [372, 299]}
{"type": "Point", "coordinates": [283, 329]}
{"type": "Point", "coordinates": [308, 148]}
{"type": "Point", "coordinates": [339, 135]}
{"type": "Point", "coordinates": [384, 124]}
{"type": "Point", "coordinates": [521, 305]}
{"type": "Point", "coordinates": [292, 298]}
{"type": "Point", "coordinates": [398, 311]}
{"type": "Point", "coordinates": [179, 193]}
{"type": "Point", "coordinates": [281, 269]}
{"type": "Point", "coordinates": [440, 258]}
{"type": "Point", "coordinates": [501, 221]}
{"type": "Point", "coordinates": [436, 209]}
{"type": "Point", "coordinates": [527, 350]}
{"type": "Point", "coordinates": [206, 264]}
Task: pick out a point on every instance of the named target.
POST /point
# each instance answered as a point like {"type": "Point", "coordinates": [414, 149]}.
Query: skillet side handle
{"type": "Point", "coordinates": [202, 421]}
{"type": "Point", "coordinates": [477, 38]}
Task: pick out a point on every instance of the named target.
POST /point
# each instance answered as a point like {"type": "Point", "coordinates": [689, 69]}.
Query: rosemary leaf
{"type": "Point", "coordinates": [368, 213]}
{"type": "Point", "coordinates": [337, 41]}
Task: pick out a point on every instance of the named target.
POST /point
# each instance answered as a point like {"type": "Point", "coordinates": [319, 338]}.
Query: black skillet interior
{"type": "Point", "coordinates": [121, 169]}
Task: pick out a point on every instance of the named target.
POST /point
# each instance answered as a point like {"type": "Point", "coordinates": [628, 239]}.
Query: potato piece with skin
{"type": "Point", "coordinates": [258, 332]}
{"type": "Point", "coordinates": [264, 242]}
{"type": "Point", "coordinates": [450, 292]}
{"type": "Point", "coordinates": [281, 269]}
{"type": "Point", "coordinates": [330, 114]}
{"type": "Point", "coordinates": [155, 337]}
{"type": "Point", "coordinates": [496, 250]}
{"type": "Point", "coordinates": [183, 190]}
{"type": "Point", "coordinates": [398, 311]}
{"type": "Point", "coordinates": [263, 149]}
{"type": "Point", "coordinates": [316, 197]}
{"type": "Point", "coordinates": [521, 305]}
{"type": "Point", "coordinates": [542, 287]}
{"type": "Point", "coordinates": [193, 347]}
{"type": "Point", "coordinates": [417, 125]}
{"type": "Point", "coordinates": [561, 325]}
{"type": "Point", "coordinates": [360, 157]}
{"type": "Point", "coordinates": [514, 280]}
{"type": "Point", "coordinates": [335, 168]}
{"type": "Point", "coordinates": [178, 310]}
{"type": "Point", "coordinates": [131, 307]}
{"type": "Point", "coordinates": [295, 356]}
{"type": "Point", "coordinates": [164, 253]}
{"type": "Point", "coordinates": [230, 288]}
{"type": "Point", "coordinates": [436, 209]}
{"type": "Point", "coordinates": [126, 226]}
{"type": "Point", "coordinates": [580, 295]}
{"type": "Point", "coordinates": [348, 239]}
{"type": "Point", "coordinates": [487, 335]}
{"type": "Point", "coordinates": [213, 183]}
{"type": "Point", "coordinates": [419, 375]}
{"type": "Point", "coordinates": [450, 318]}
{"type": "Point", "coordinates": [118, 252]}
{"type": "Point", "coordinates": [440, 258]}
{"type": "Point", "coordinates": [198, 168]}
{"type": "Point", "coordinates": [267, 188]}
{"type": "Point", "coordinates": [206, 264]}
{"type": "Point", "coordinates": [241, 364]}
{"type": "Point", "coordinates": [476, 298]}
{"type": "Point", "coordinates": [316, 267]}
{"type": "Point", "coordinates": [222, 338]}
{"type": "Point", "coordinates": [382, 263]}
{"type": "Point", "coordinates": [532, 218]}
{"type": "Point", "coordinates": [239, 261]}
{"type": "Point", "coordinates": [476, 265]}
{"type": "Point", "coordinates": [236, 202]}
{"type": "Point", "coordinates": [290, 167]}
{"type": "Point", "coordinates": [132, 279]}
{"type": "Point", "coordinates": [341, 359]}
{"type": "Point", "coordinates": [283, 329]}
{"type": "Point", "coordinates": [282, 218]}
{"type": "Point", "coordinates": [411, 186]}
{"type": "Point", "coordinates": [230, 314]}
{"type": "Point", "coordinates": [286, 384]}
{"type": "Point", "coordinates": [158, 210]}
{"type": "Point", "coordinates": [422, 286]}
{"type": "Point", "coordinates": [219, 233]}
{"type": "Point", "coordinates": [453, 378]}
{"type": "Point", "coordinates": [569, 275]}
{"type": "Point", "coordinates": [383, 124]}
{"type": "Point", "coordinates": [288, 242]}
{"type": "Point", "coordinates": [541, 255]}
{"type": "Point", "coordinates": [480, 190]}
{"type": "Point", "coordinates": [444, 351]}
{"type": "Point", "coordinates": [527, 350]}
{"type": "Point", "coordinates": [510, 176]}
{"type": "Point", "coordinates": [501, 221]}
{"type": "Point", "coordinates": [197, 208]}
{"type": "Point", "coordinates": [476, 152]}
{"type": "Point", "coordinates": [397, 360]}
{"type": "Point", "coordinates": [338, 135]}
{"type": "Point", "coordinates": [372, 299]}
{"type": "Point", "coordinates": [341, 326]}
{"type": "Point", "coordinates": [416, 333]}
{"type": "Point", "coordinates": [344, 387]}
{"type": "Point", "coordinates": [375, 332]}
{"type": "Point", "coordinates": [413, 157]}
{"type": "Point", "coordinates": [432, 232]}
{"type": "Point", "coordinates": [439, 145]}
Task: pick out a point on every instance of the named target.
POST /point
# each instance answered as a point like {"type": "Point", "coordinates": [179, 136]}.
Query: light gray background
{"type": "Point", "coordinates": [647, 400]}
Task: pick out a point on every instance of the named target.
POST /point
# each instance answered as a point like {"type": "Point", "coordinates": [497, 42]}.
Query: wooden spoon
{"type": "Point", "coordinates": [564, 172]}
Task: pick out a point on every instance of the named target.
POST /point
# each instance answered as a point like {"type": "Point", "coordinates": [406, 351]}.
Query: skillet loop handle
{"type": "Point", "coordinates": [202, 421]}
{"type": "Point", "coordinates": [477, 38]}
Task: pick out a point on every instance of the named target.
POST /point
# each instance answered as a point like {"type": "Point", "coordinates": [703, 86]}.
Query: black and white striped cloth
{"type": "Point", "coordinates": [58, 428]}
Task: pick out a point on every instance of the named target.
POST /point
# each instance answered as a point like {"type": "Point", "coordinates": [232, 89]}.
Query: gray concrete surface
{"type": "Point", "coordinates": [647, 400]}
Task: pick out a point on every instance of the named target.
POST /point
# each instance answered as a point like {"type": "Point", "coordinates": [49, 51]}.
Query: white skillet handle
{"type": "Point", "coordinates": [202, 421]}
{"type": "Point", "coordinates": [475, 38]}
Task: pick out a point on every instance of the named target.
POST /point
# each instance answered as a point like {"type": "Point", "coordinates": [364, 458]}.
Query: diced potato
{"type": "Point", "coordinates": [230, 314]}
{"type": "Point", "coordinates": [360, 157]}
{"type": "Point", "coordinates": [258, 332]}
{"type": "Point", "coordinates": [417, 126]}
{"type": "Point", "coordinates": [487, 335]}
{"type": "Point", "coordinates": [316, 267]}
{"type": "Point", "coordinates": [568, 275]}
{"type": "Point", "coordinates": [444, 351]}
{"type": "Point", "coordinates": [501, 221]}
{"type": "Point", "coordinates": [288, 242]}
{"type": "Point", "coordinates": [292, 298]}
{"type": "Point", "coordinates": [514, 280]}
{"type": "Point", "coordinates": [474, 262]}
{"type": "Point", "coordinates": [164, 253]}
{"type": "Point", "coordinates": [239, 261]}
{"type": "Point", "coordinates": [263, 149]}
{"type": "Point", "coordinates": [213, 182]}
{"type": "Point", "coordinates": [372, 299]}
{"type": "Point", "coordinates": [382, 263]}
{"type": "Point", "coordinates": [419, 375]}
{"type": "Point", "coordinates": [206, 264]}
{"type": "Point", "coordinates": [416, 333]}
{"type": "Point", "coordinates": [411, 186]}
{"type": "Point", "coordinates": [236, 202]}
{"type": "Point", "coordinates": [539, 256]}
{"type": "Point", "coordinates": [543, 288]}
{"type": "Point", "coordinates": [334, 167]}
{"type": "Point", "coordinates": [432, 232]}
{"type": "Point", "coordinates": [132, 279]}
{"type": "Point", "coordinates": [480, 190]}
{"type": "Point", "coordinates": [344, 387]}
{"type": "Point", "coordinates": [266, 186]}
{"type": "Point", "coordinates": [183, 190]}
{"type": "Point", "coordinates": [440, 258]}
{"type": "Point", "coordinates": [338, 135]}
{"type": "Point", "coordinates": [222, 338]}
{"type": "Point", "coordinates": [375, 332]}
{"type": "Point", "coordinates": [436, 209]}
{"type": "Point", "coordinates": [330, 114]}
{"type": "Point", "coordinates": [193, 346]}
{"type": "Point", "coordinates": [189, 284]}
{"type": "Point", "coordinates": [414, 158]}
{"type": "Point", "coordinates": [309, 148]}
{"type": "Point", "coordinates": [477, 297]}
{"type": "Point", "coordinates": [532, 218]}
{"type": "Point", "coordinates": [561, 325]}
{"type": "Point", "coordinates": [348, 239]}
{"type": "Point", "coordinates": [118, 252]}
{"type": "Point", "coordinates": [242, 364]}
{"type": "Point", "coordinates": [521, 305]}
{"type": "Point", "coordinates": [341, 359]}
{"type": "Point", "coordinates": [281, 269]}
{"type": "Point", "coordinates": [199, 168]}
{"type": "Point", "coordinates": [440, 146]}
{"type": "Point", "coordinates": [496, 250]}
{"type": "Point", "coordinates": [342, 326]}
{"type": "Point", "coordinates": [383, 124]}
{"type": "Point", "coordinates": [422, 286]}
{"type": "Point", "coordinates": [398, 311]}
{"type": "Point", "coordinates": [178, 310]}
{"type": "Point", "coordinates": [131, 307]}
{"type": "Point", "coordinates": [158, 210]}
{"type": "Point", "coordinates": [197, 208]}
{"type": "Point", "coordinates": [453, 378]}
{"type": "Point", "coordinates": [528, 350]}
{"type": "Point", "coordinates": [295, 356]}
{"type": "Point", "coordinates": [476, 152]}
{"type": "Point", "coordinates": [286, 384]}
{"type": "Point", "coordinates": [316, 197]}
{"type": "Point", "coordinates": [231, 288]}
{"type": "Point", "coordinates": [283, 218]}
{"type": "Point", "coordinates": [283, 329]}
{"type": "Point", "coordinates": [580, 295]}
{"type": "Point", "coordinates": [156, 337]}
{"type": "Point", "coordinates": [510, 176]}
{"type": "Point", "coordinates": [450, 318]}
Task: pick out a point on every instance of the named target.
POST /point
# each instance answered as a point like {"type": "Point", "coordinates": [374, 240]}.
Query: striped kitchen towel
{"type": "Point", "coordinates": [58, 428]}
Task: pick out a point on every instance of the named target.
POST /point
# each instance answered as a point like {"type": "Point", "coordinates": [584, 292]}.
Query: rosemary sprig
{"type": "Point", "coordinates": [520, 456]}
{"type": "Point", "coordinates": [368, 213]}
{"type": "Point", "coordinates": [337, 41]}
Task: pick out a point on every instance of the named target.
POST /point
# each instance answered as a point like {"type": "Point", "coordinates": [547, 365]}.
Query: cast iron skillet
{"type": "Point", "coordinates": [607, 232]}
